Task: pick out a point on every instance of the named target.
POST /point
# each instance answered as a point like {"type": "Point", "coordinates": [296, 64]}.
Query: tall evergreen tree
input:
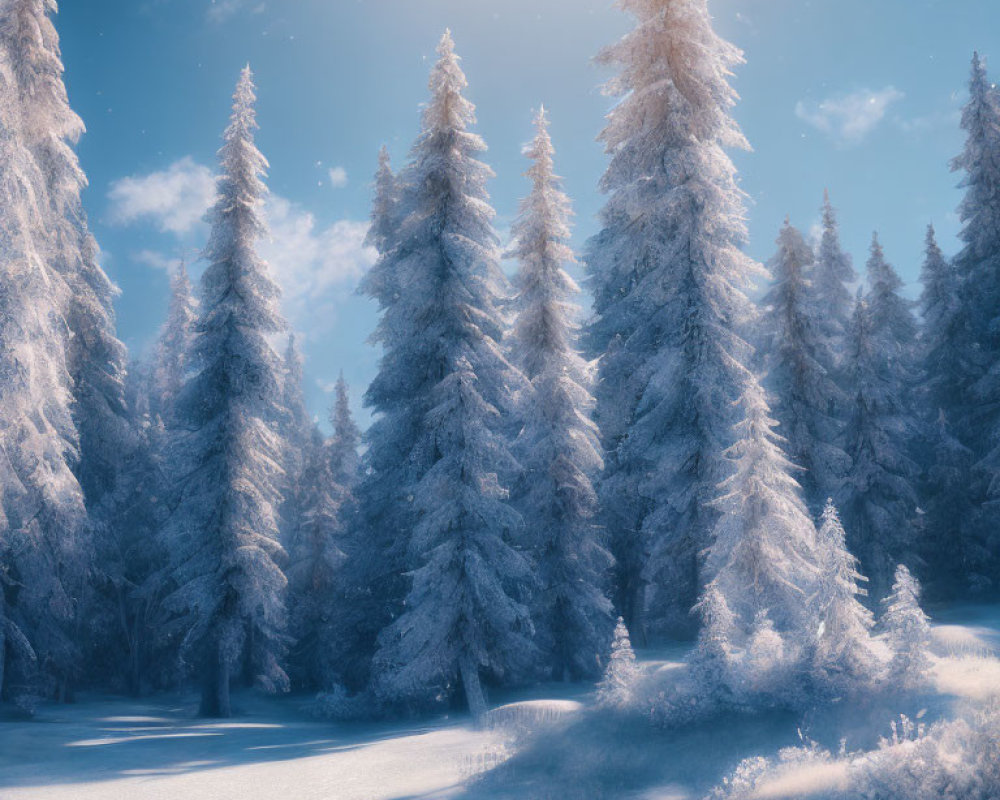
{"type": "Point", "coordinates": [42, 514]}
{"type": "Point", "coordinates": [439, 464]}
{"type": "Point", "coordinates": [799, 361]}
{"type": "Point", "coordinates": [558, 444]}
{"type": "Point", "coordinates": [173, 348]}
{"type": "Point", "coordinates": [344, 458]}
{"type": "Point", "coordinates": [830, 275]}
{"type": "Point", "coordinates": [668, 278]}
{"type": "Point", "coordinates": [45, 556]}
{"type": "Point", "coordinates": [945, 486]}
{"type": "Point", "coordinates": [50, 128]}
{"type": "Point", "coordinates": [385, 205]}
{"type": "Point", "coordinates": [315, 560]}
{"type": "Point", "coordinates": [975, 374]}
{"type": "Point", "coordinates": [372, 580]}
{"type": "Point", "coordinates": [878, 499]}
{"type": "Point", "coordinates": [223, 538]}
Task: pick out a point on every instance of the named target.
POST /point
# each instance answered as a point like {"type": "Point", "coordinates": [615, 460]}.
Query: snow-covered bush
{"type": "Point", "coordinates": [955, 760]}
{"type": "Point", "coordinates": [908, 631]}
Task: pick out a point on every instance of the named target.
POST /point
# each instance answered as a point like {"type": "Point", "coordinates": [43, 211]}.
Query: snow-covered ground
{"type": "Point", "coordinates": [109, 748]}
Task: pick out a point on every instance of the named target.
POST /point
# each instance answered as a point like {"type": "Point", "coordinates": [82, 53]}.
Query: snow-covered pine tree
{"type": "Point", "coordinates": [315, 559]}
{"type": "Point", "coordinates": [668, 279]}
{"type": "Point", "coordinates": [945, 487]}
{"type": "Point", "coordinates": [830, 276]}
{"type": "Point", "coordinates": [908, 630]}
{"type": "Point", "coordinates": [764, 561]}
{"type": "Point", "coordinates": [975, 378]}
{"type": "Point", "coordinates": [799, 364]}
{"type": "Point", "coordinates": [50, 128]}
{"type": "Point", "coordinates": [44, 546]}
{"type": "Point", "coordinates": [173, 348]}
{"type": "Point", "coordinates": [129, 650]}
{"type": "Point", "coordinates": [222, 539]}
{"type": "Point", "coordinates": [299, 425]}
{"type": "Point", "coordinates": [344, 459]}
{"type": "Point", "coordinates": [558, 445]}
{"type": "Point", "coordinates": [384, 206]}
{"type": "Point", "coordinates": [845, 659]}
{"type": "Point", "coordinates": [617, 689]}
{"type": "Point", "coordinates": [372, 578]}
{"type": "Point", "coordinates": [878, 499]}
{"type": "Point", "coordinates": [939, 347]}
{"type": "Point", "coordinates": [437, 457]}
{"type": "Point", "coordinates": [296, 437]}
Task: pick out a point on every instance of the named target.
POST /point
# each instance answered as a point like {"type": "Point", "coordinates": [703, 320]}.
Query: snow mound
{"type": "Point", "coordinates": [972, 677]}
{"type": "Point", "coordinates": [530, 715]}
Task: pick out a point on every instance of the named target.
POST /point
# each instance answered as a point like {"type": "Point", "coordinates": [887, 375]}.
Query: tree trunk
{"type": "Point", "coordinates": [473, 689]}
{"type": "Point", "coordinates": [215, 685]}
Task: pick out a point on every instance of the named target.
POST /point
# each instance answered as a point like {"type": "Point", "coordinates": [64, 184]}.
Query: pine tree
{"type": "Point", "coordinates": [296, 436]}
{"type": "Point", "coordinates": [799, 363]}
{"type": "Point", "coordinates": [45, 553]}
{"type": "Point", "coordinates": [223, 537]}
{"type": "Point", "coordinates": [438, 460]}
{"type": "Point", "coordinates": [558, 444]}
{"type": "Point", "coordinates": [617, 689]}
{"type": "Point", "coordinates": [908, 631]}
{"type": "Point", "coordinates": [174, 345]}
{"type": "Point", "coordinates": [829, 276]}
{"type": "Point", "coordinates": [973, 377]}
{"type": "Point", "coordinates": [315, 560]}
{"type": "Point", "coordinates": [344, 459]}
{"type": "Point", "coordinates": [945, 487]}
{"type": "Point", "coordinates": [878, 499]}
{"type": "Point", "coordinates": [668, 279]}
{"type": "Point", "coordinates": [385, 205]}
{"type": "Point", "coordinates": [845, 658]}
{"type": "Point", "coordinates": [764, 561]}
{"type": "Point", "coordinates": [50, 128]}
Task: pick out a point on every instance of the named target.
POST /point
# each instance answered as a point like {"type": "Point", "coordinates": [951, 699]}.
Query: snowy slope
{"type": "Point", "coordinates": [110, 749]}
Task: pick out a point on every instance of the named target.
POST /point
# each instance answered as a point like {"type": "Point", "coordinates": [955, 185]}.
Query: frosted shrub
{"type": "Point", "coordinates": [617, 690]}
{"type": "Point", "coordinates": [948, 761]}
{"type": "Point", "coordinates": [908, 631]}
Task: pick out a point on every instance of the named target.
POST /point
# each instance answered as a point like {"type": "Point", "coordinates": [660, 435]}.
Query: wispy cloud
{"type": "Point", "coordinates": [849, 118]}
{"type": "Point", "coordinates": [156, 260]}
{"type": "Point", "coordinates": [317, 267]}
{"type": "Point", "coordinates": [174, 199]}
{"type": "Point", "coordinates": [338, 177]}
{"type": "Point", "coordinates": [222, 10]}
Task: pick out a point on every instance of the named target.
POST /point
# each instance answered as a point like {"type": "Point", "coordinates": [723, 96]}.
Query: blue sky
{"type": "Point", "coordinates": [860, 96]}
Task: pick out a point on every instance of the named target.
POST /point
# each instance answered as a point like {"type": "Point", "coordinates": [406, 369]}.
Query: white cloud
{"type": "Point", "coordinates": [338, 177]}
{"type": "Point", "coordinates": [157, 260]}
{"type": "Point", "coordinates": [315, 266]}
{"type": "Point", "coordinates": [175, 199]}
{"type": "Point", "coordinates": [849, 118]}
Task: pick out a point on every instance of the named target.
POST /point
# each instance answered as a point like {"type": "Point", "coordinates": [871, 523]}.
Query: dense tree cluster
{"type": "Point", "coordinates": [187, 519]}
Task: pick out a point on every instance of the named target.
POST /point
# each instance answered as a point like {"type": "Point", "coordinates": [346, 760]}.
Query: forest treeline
{"type": "Point", "coordinates": [760, 475]}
